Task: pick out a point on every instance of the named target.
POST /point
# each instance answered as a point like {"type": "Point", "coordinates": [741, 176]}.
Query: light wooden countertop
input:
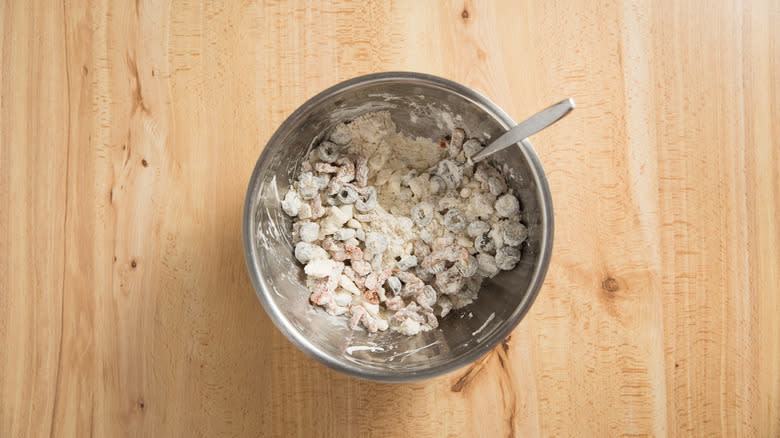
{"type": "Point", "coordinates": [128, 131]}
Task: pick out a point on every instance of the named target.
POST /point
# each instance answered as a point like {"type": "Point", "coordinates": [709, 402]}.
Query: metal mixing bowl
{"type": "Point", "coordinates": [420, 105]}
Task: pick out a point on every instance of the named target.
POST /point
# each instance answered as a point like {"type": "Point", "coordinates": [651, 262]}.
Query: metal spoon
{"type": "Point", "coordinates": [531, 126]}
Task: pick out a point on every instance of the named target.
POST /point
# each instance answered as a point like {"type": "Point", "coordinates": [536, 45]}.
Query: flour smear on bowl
{"type": "Point", "coordinates": [394, 232]}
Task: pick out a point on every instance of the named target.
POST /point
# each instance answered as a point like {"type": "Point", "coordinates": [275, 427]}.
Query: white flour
{"type": "Point", "coordinates": [395, 231]}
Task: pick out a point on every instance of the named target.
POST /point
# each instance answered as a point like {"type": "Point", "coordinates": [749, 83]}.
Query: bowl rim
{"type": "Point", "coordinates": [486, 345]}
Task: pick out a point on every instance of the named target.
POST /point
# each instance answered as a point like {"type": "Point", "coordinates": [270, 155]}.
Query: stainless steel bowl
{"type": "Point", "coordinates": [420, 105]}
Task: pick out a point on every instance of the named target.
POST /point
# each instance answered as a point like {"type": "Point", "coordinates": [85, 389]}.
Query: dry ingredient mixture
{"type": "Point", "coordinates": [395, 231]}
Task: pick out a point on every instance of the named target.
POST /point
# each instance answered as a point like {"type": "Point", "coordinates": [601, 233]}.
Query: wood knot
{"type": "Point", "coordinates": [133, 264]}
{"type": "Point", "coordinates": [84, 70]}
{"type": "Point", "coordinates": [465, 14]}
{"type": "Point", "coordinates": [144, 162]}
{"type": "Point", "coordinates": [464, 380]}
{"type": "Point", "coordinates": [610, 285]}
{"type": "Point", "coordinates": [505, 343]}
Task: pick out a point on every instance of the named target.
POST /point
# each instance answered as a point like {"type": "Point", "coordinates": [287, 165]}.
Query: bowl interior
{"type": "Point", "coordinates": [419, 107]}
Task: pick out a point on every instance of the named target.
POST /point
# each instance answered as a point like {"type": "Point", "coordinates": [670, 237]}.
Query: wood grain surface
{"type": "Point", "coordinates": [128, 131]}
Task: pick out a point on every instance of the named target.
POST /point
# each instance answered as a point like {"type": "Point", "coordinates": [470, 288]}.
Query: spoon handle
{"type": "Point", "coordinates": [531, 126]}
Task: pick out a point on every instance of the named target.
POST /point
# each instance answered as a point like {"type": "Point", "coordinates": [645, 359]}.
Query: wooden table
{"type": "Point", "coordinates": [128, 131]}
